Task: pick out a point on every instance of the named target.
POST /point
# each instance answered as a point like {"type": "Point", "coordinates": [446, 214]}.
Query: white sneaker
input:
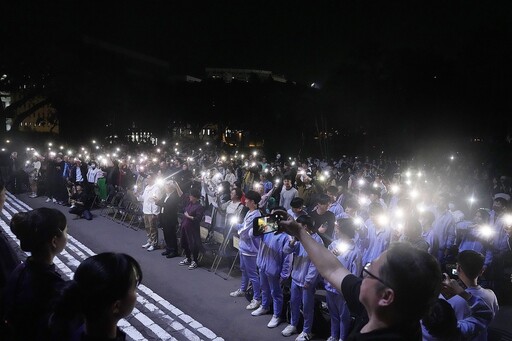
{"type": "Point", "coordinates": [332, 338]}
{"type": "Point", "coordinates": [260, 311]}
{"type": "Point", "coordinates": [237, 293]}
{"type": "Point", "coordinates": [54, 200]}
{"type": "Point", "coordinates": [193, 265]}
{"type": "Point", "coordinates": [274, 322]}
{"type": "Point", "coordinates": [304, 337]}
{"type": "Point", "coordinates": [186, 261]}
{"type": "Point", "coordinates": [151, 248]}
{"type": "Point", "coordinates": [253, 305]}
{"type": "Point", "coordinates": [48, 200]}
{"type": "Point", "coordinates": [289, 330]}
{"type": "Point", "coordinates": [146, 245]}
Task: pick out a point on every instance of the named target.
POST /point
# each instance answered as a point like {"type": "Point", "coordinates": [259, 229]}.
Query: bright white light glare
{"type": "Point", "coordinates": [414, 194]}
{"type": "Point", "coordinates": [485, 231]}
{"type": "Point", "coordinates": [360, 182]}
{"type": "Point", "coordinates": [155, 159]}
{"type": "Point", "coordinates": [233, 220]}
{"type": "Point", "coordinates": [70, 152]}
{"type": "Point", "coordinates": [278, 181]}
{"type": "Point", "coordinates": [61, 147]}
{"type": "Point", "coordinates": [321, 177]}
{"type": "Point", "coordinates": [452, 157]}
{"type": "Point", "coordinates": [363, 200]}
{"type": "Point", "coordinates": [420, 174]}
{"type": "Point", "coordinates": [472, 200]}
{"type": "Point", "coordinates": [223, 157]}
{"type": "Point", "coordinates": [408, 174]}
{"type": "Point", "coordinates": [163, 142]}
{"type": "Point", "coordinates": [421, 208]}
{"type": "Point", "coordinates": [383, 220]}
{"type": "Point", "coordinates": [265, 170]}
{"type": "Point", "coordinates": [134, 187]}
{"type": "Point", "coordinates": [326, 173]}
{"type": "Point", "coordinates": [219, 188]}
{"type": "Point", "coordinates": [507, 219]}
{"type": "Point", "coordinates": [358, 221]}
{"type": "Point", "coordinates": [342, 247]}
{"type": "Point", "coordinates": [293, 163]}
{"type": "Point", "coordinates": [257, 185]}
{"type": "Point", "coordinates": [160, 181]}
{"type": "Point", "coordinates": [50, 144]}
{"type": "Point", "coordinates": [53, 154]}
{"type": "Point", "coordinates": [203, 173]}
{"type": "Point", "coordinates": [395, 189]}
{"type": "Point", "coordinates": [158, 150]}
{"type": "Point", "coordinates": [254, 153]}
{"type": "Point", "coordinates": [408, 182]}
{"type": "Point", "coordinates": [399, 213]}
{"type": "Point", "coordinates": [253, 164]}
{"type": "Point", "coordinates": [375, 185]}
{"type": "Point", "coordinates": [93, 141]}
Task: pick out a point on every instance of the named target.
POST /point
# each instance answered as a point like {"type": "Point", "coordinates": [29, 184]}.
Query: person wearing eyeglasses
{"type": "Point", "coordinates": [389, 299]}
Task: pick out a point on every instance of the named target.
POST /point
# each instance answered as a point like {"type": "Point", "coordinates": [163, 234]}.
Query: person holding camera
{"type": "Point", "coordinates": [395, 291]}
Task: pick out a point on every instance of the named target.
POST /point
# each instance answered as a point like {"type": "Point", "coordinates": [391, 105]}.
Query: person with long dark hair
{"type": "Point", "coordinates": [102, 292]}
{"type": "Point", "coordinates": [34, 285]}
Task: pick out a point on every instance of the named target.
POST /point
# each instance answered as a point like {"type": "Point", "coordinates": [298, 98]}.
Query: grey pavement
{"type": "Point", "coordinates": [174, 303]}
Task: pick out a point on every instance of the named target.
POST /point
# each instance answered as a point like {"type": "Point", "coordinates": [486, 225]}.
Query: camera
{"type": "Point", "coordinates": [266, 224]}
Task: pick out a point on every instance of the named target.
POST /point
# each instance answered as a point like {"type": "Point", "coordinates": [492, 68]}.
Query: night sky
{"type": "Point", "coordinates": [431, 64]}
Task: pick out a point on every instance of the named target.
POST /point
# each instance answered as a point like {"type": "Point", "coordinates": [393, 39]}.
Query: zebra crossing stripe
{"type": "Point", "coordinates": [13, 205]}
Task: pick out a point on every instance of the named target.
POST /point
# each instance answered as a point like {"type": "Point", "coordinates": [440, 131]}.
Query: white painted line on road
{"type": "Point", "coordinates": [83, 252]}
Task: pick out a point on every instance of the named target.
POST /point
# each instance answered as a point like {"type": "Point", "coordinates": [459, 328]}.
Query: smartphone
{"type": "Point", "coordinates": [451, 269]}
{"type": "Point", "coordinates": [266, 224]}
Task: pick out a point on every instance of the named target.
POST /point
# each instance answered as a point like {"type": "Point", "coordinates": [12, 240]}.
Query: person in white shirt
{"type": "Point", "coordinates": [151, 195]}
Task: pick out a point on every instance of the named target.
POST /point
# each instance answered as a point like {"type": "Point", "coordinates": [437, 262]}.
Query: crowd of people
{"type": "Point", "coordinates": [432, 239]}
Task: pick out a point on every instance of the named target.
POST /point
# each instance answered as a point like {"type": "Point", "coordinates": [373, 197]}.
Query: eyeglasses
{"type": "Point", "coordinates": [365, 274]}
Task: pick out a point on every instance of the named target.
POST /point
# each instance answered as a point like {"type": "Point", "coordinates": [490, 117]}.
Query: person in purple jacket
{"type": "Point", "coordinates": [274, 267]}
{"type": "Point", "coordinates": [190, 229]}
{"type": "Point", "coordinates": [304, 281]}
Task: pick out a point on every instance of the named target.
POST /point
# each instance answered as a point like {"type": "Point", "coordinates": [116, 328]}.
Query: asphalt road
{"type": "Point", "coordinates": [174, 303]}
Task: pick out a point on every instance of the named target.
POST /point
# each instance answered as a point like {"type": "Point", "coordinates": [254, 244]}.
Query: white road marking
{"type": "Point", "coordinates": [188, 327]}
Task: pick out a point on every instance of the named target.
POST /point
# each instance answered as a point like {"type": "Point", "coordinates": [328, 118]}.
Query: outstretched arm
{"type": "Point", "coordinates": [327, 264]}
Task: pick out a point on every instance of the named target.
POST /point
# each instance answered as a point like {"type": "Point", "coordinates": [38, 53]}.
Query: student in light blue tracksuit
{"type": "Point", "coordinates": [274, 267]}
{"type": "Point", "coordinates": [347, 252]}
{"type": "Point", "coordinates": [304, 280]}
{"type": "Point", "coordinates": [248, 250]}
